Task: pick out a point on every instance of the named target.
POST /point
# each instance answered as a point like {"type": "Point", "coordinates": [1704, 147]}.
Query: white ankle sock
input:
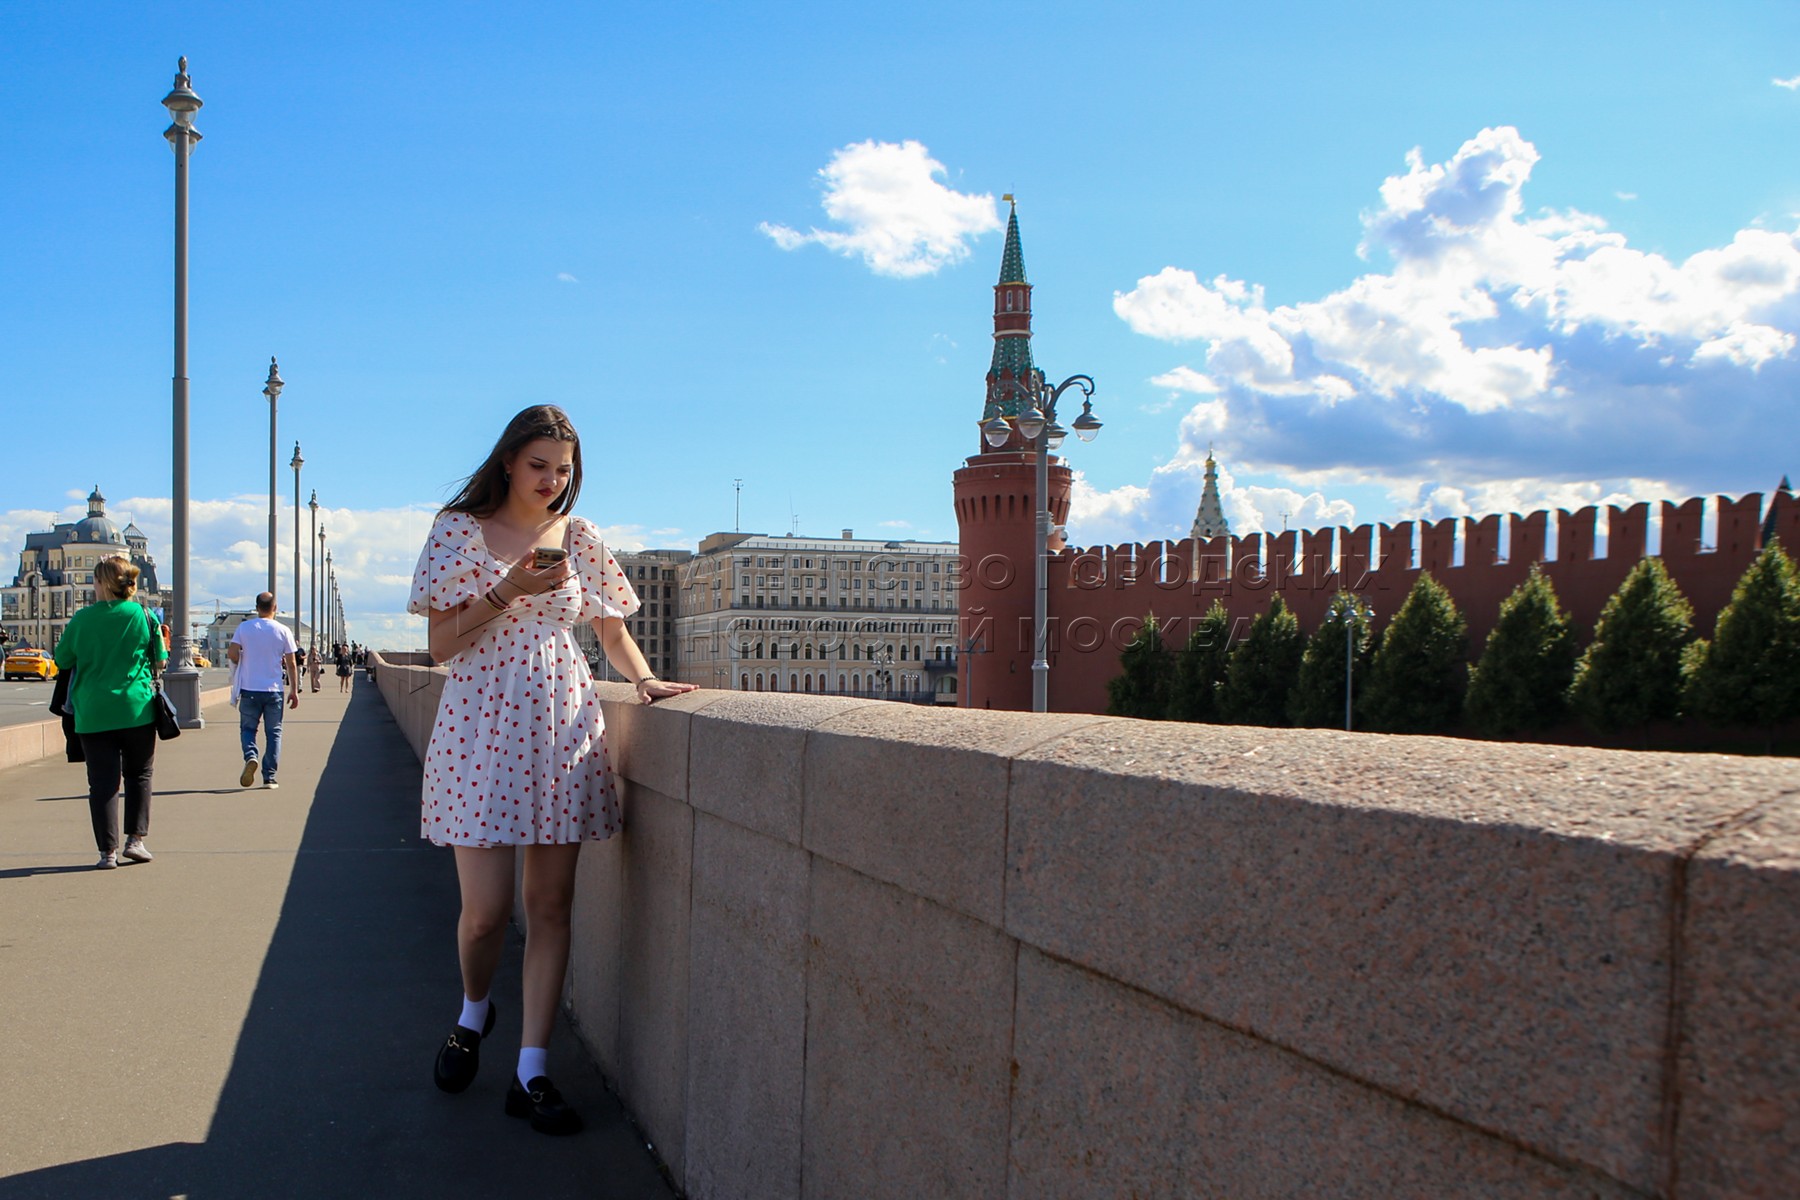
{"type": "Point", "coordinates": [474, 1014]}
{"type": "Point", "coordinates": [532, 1062]}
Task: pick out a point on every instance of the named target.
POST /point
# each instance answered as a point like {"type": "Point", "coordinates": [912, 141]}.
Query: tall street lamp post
{"type": "Point", "coordinates": [312, 578]}
{"type": "Point", "coordinates": [1353, 612]}
{"type": "Point", "coordinates": [323, 599]}
{"type": "Point", "coordinates": [1038, 426]}
{"type": "Point", "coordinates": [296, 462]}
{"type": "Point", "coordinates": [330, 603]}
{"type": "Point", "coordinates": [272, 389]}
{"type": "Point", "coordinates": [181, 680]}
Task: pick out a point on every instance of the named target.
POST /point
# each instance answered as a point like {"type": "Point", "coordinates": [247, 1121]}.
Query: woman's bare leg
{"type": "Point", "coordinates": [485, 877]}
{"type": "Point", "coordinates": [549, 893]}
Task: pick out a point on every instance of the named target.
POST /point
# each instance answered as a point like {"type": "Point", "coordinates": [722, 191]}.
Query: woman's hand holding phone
{"type": "Point", "coordinates": [546, 569]}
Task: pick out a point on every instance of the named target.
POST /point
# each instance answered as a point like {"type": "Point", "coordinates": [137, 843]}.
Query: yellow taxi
{"type": "Point", "coordinates": [30, 664]}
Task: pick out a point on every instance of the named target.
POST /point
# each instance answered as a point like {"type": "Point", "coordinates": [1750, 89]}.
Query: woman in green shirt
{"type": "Point", "coordinates": [116, 652]}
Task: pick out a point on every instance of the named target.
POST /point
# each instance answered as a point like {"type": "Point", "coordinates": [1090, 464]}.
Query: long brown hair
{"type": "Point", "coordinates": [482, 493]}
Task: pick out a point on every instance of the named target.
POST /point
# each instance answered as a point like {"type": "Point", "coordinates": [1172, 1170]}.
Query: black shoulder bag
{"type": "Point", "coordinates": [167, 727]}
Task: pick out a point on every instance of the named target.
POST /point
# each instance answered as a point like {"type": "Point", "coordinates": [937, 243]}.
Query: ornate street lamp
{"type": "Point", "coordinates": [296, 462]}
{"type": "Point", "coordinates": [181, 680]}
{"type": "Point", "coordinates": [272, 389]}
{"type": "Point", "coordinates": [1038, 425]}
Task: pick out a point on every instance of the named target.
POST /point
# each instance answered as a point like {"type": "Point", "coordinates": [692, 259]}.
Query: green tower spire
{"type": "Point", "coordinates": [1012, 328]}
{"type": "Point", "coordinates": [1012, 262]}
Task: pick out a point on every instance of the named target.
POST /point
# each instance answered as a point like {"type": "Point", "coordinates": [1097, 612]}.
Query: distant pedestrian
{"type": "Point", "coordinates": [116, 653]}
{"type": "Point", "coordinates": [518, 751]}
{"type": "Point", "coordinates": [343, 669]}
{"type": "Point", "coordinates": [314, 669]}
{"type": "Point", "coordinates": [262, 649]}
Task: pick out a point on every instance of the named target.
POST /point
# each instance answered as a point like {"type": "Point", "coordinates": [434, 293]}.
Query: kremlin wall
{"type": "Point", "coordinates": [1099, 596]}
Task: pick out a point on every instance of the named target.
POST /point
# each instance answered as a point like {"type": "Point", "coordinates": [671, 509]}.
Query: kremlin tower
{"type": "Point", "coordinates": [996, 509]}
{"type": "Point", "coordinates": [1209, 519]}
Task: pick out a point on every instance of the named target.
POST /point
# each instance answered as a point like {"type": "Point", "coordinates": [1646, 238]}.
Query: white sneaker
{"type": "Point", "coordinates": [270, 784]}
{"type": "Point", "coordinates": [136, 851]}
{"type": "Point", "coordinates": [249, 774]}
{"type": "Point", "coordinates": [108, 862]}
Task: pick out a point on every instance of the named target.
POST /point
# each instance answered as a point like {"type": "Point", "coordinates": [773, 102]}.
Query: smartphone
{"type": "Point", "coordinates": [547, 556]}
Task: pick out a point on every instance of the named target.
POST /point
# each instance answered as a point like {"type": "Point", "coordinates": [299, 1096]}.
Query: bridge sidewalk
{"type": "Point", "coordinates": [255, 1012]}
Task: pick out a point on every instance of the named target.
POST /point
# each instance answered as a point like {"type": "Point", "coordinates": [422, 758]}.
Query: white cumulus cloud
{"type": "Point", "coordinates": [896, 215]}
{"type": "Point", "coordinates": [1492, 346]}
{"type": "Point", "coordinates": [1791, 84]}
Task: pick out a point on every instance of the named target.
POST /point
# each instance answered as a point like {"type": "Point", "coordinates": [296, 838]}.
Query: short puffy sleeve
{"type": "Point", "coordinates": [449, 569]}
{"type": "Point", "coordinates": [605, 592]}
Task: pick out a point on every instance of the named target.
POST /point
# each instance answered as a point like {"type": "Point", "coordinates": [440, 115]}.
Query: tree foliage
{"type": "Point", "coordinates": [1631, 672]}
{"type": "Point", "coordinates": [1141, 689]}
{"type": "Point", "coordinates": [1318, 695]}
{"type": "Point", "coordinates": [1262, 669]}
{"type": "Point", "coordinates": [1749, 674]}
{"type": "Point", "coordinates": [1200, 667]}
{"type": "Point", "coordinates": [1420, 671]}
{"type": "Point", "coordinates": [1522, 680]}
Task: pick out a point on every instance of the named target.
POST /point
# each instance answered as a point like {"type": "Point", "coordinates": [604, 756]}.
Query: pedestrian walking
{"type": "Point", "coordinates": [343, 669]}
{"type": "Point", "coordinates": [263, 650]}
{"type": "Point", "coordinates": [115, 653]}
{"type": "Point", "coordinates": [518, 751]}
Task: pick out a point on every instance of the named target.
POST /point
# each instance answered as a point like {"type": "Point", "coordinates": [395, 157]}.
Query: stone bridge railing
{"type": "Point", "coordinates": [862, 949]}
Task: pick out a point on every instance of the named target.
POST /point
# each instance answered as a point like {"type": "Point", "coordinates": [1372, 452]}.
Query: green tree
{"type": "Point", "coordinates": [1318, 695]}
{"type": "Point", "coordinates": [1262, 669]}
{"type": "Point", "coordinates": [1749, 674]}
{"type": "Point", "coordinates": [1522, 680]}
{"type": "Point", "coordinates": [1142, 687]}
{"type": "Point", "coordinates": [1200, 667]}
{"type": "Point", "coordinates": [1631, 673]}
{"type": "Point", "coordinates": [1420, 670]}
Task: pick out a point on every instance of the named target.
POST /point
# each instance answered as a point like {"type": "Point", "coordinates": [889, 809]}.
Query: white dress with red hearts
{"type": "Point", "coordinates": [518, 751]}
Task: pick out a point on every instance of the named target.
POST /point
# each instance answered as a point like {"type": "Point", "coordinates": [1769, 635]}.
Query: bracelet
{"type": "Point", "coordinates": [493, 600]}
{"type": "Point", "coordinates": [647, 679]}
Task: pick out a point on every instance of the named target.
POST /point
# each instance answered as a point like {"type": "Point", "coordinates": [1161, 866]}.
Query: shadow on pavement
{"type": "Point", "coordinates": [330, 1092]}
{"type": "Point", "coordinates": [26, 872]}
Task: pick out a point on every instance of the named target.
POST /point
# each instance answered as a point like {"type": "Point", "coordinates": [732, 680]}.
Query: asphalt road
{"type": "Point", "coordinates": [26, 700]}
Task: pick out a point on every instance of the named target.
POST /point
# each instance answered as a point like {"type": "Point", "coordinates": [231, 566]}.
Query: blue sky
{"type": "Point", "coordinates": [1391, 259]}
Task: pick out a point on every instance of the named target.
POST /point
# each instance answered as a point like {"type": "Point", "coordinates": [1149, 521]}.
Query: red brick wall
{"type": "Point", "coordinates": [1099, 595]}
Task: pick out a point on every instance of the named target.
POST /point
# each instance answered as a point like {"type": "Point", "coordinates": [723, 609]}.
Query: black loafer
{"type": "Point", "coordinates": [544, 1105]}
{"type": "Point", "coordinates": [460, 1056]}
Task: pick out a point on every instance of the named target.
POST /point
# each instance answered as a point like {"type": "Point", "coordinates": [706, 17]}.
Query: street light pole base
{"type": "Point", "coordinates": [183, 687]}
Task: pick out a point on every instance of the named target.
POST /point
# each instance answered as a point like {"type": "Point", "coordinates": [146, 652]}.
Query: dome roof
{"type": "Point", "coordinates": [98, 529]}
{"type": "Point", "coordinates": [95, 527]}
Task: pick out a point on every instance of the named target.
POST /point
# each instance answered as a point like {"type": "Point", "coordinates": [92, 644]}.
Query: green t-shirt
{"type": "Point", "coordinates": [110, 647]}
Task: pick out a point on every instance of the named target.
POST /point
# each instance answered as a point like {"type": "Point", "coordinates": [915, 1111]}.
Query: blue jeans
{"type": "Point", "coordinates": [266, 707]}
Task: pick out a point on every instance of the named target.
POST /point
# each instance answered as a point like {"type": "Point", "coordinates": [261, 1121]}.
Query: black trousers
{"type": "Point", "coordinates": [110, 754]}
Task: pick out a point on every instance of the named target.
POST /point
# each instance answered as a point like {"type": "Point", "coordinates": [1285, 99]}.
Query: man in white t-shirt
{"type": "Point", "coordinates": [262, 650]}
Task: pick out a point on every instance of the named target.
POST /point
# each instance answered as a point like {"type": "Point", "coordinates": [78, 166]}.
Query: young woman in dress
{"type": "Point", "coordinates": [518, 752]}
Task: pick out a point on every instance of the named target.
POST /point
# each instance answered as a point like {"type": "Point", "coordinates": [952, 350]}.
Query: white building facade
{"type": "Point", "coordinates": [828, 616]}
